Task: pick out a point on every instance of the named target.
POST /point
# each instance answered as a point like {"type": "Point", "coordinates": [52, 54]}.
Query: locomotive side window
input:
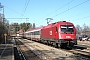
{"type": "Point", "coordinates": [67, 28]}
{"type": "Point", "coordinates": [56, 29]}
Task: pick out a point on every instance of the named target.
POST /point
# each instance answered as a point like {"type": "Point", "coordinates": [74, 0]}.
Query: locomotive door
{"type": "Point", "coordinates": [56, 32]}
{"type": "Point", "coordinates": [50, 32]}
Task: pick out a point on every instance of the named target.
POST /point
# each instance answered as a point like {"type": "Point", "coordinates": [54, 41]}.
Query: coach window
{"type": "Point", "coordinates": [56, 29]}
{"type": "Point", "coordinates": [38, 33]}
{"type": "Point", "coordinates": [32, 33]}
{"type": "Point", "coordinates": [28, 33]}
{"type": "Point", "coordinates": [35, 32]}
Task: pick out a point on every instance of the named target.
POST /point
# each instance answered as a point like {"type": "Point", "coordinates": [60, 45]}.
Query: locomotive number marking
{"type": "Point", "coordinates": [68, 36]}
{"type": "Point", "coordinates": [50, 32]}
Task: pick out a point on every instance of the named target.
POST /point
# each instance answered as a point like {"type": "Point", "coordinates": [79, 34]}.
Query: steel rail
{"type": "Point", "coordinates": [21, 52]}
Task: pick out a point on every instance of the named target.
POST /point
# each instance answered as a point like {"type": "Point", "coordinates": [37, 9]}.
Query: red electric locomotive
{"type": "Point", "coordinates": [59, 34]}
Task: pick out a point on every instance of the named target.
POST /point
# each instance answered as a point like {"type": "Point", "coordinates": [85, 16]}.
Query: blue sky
{"type": "Point", "coordinates": [75, 11]}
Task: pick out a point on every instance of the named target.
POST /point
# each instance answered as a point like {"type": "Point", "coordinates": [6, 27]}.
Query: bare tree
{"type": "Point", "coordinates": [78, 29]}
{"type": "Point", "coordinates": [86, 29]}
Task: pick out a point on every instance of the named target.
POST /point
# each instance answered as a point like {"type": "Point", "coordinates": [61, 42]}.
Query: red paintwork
{"type": "Point", "coordinates": [46, 32]}
{"type": "Point", "coordinates": [55, 35]}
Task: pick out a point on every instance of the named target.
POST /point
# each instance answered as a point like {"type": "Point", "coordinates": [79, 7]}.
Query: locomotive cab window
{"type": "Point", "coordinates": [67, 28]}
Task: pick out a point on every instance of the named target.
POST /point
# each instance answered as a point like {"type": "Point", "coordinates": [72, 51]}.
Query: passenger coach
{"type": "Point", "coordinates": [33, 34]}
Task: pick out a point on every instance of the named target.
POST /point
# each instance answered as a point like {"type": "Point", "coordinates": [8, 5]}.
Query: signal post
{"type": "Point", "coordinates": [5, 37]}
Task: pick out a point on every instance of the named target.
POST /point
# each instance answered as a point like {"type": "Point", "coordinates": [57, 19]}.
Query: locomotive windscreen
{"type": "Point", "coordinates": [67, 28]}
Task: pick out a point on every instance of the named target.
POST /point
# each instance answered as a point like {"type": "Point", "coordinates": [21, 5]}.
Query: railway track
{"type": "Point", "coordinates": [50, 53]}
{"type": "Point", "coordinates": [24, 52]}
{"type": "Point", "coordinates": [80, 52]}
{"type": "Point", "coordinates": [37, 52]}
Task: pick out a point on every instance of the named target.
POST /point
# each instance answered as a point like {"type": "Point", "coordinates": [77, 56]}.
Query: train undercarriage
{"type": "Point", "coordinates": [59, 43]}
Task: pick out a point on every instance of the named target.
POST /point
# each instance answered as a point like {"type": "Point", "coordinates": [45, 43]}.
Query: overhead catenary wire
{"type": "Point", "coordinates": [82, 18]}
{"type": "Point", "coordinates": [26, 4]}
{"type": "Point", "coordinates": [24, 8]}
{"type": "Point", "coordinates": [71, 8]}
{"type": "Point", "coordinates": [18, 12]}
{"type": "Point", "coordinates": [58, 9]}
{"type": "Point", "coordinates": [61, 7]}
{"type": "Point", "coordinates": [78, 14]}
{"type": "Point", "coordinates": [68, 9]}
{"type": "Point", "coordinates": [13, 10]}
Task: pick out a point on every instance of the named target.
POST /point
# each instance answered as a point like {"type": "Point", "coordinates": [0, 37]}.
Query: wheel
{"type": "Point", "coordinates": [57, 45]}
